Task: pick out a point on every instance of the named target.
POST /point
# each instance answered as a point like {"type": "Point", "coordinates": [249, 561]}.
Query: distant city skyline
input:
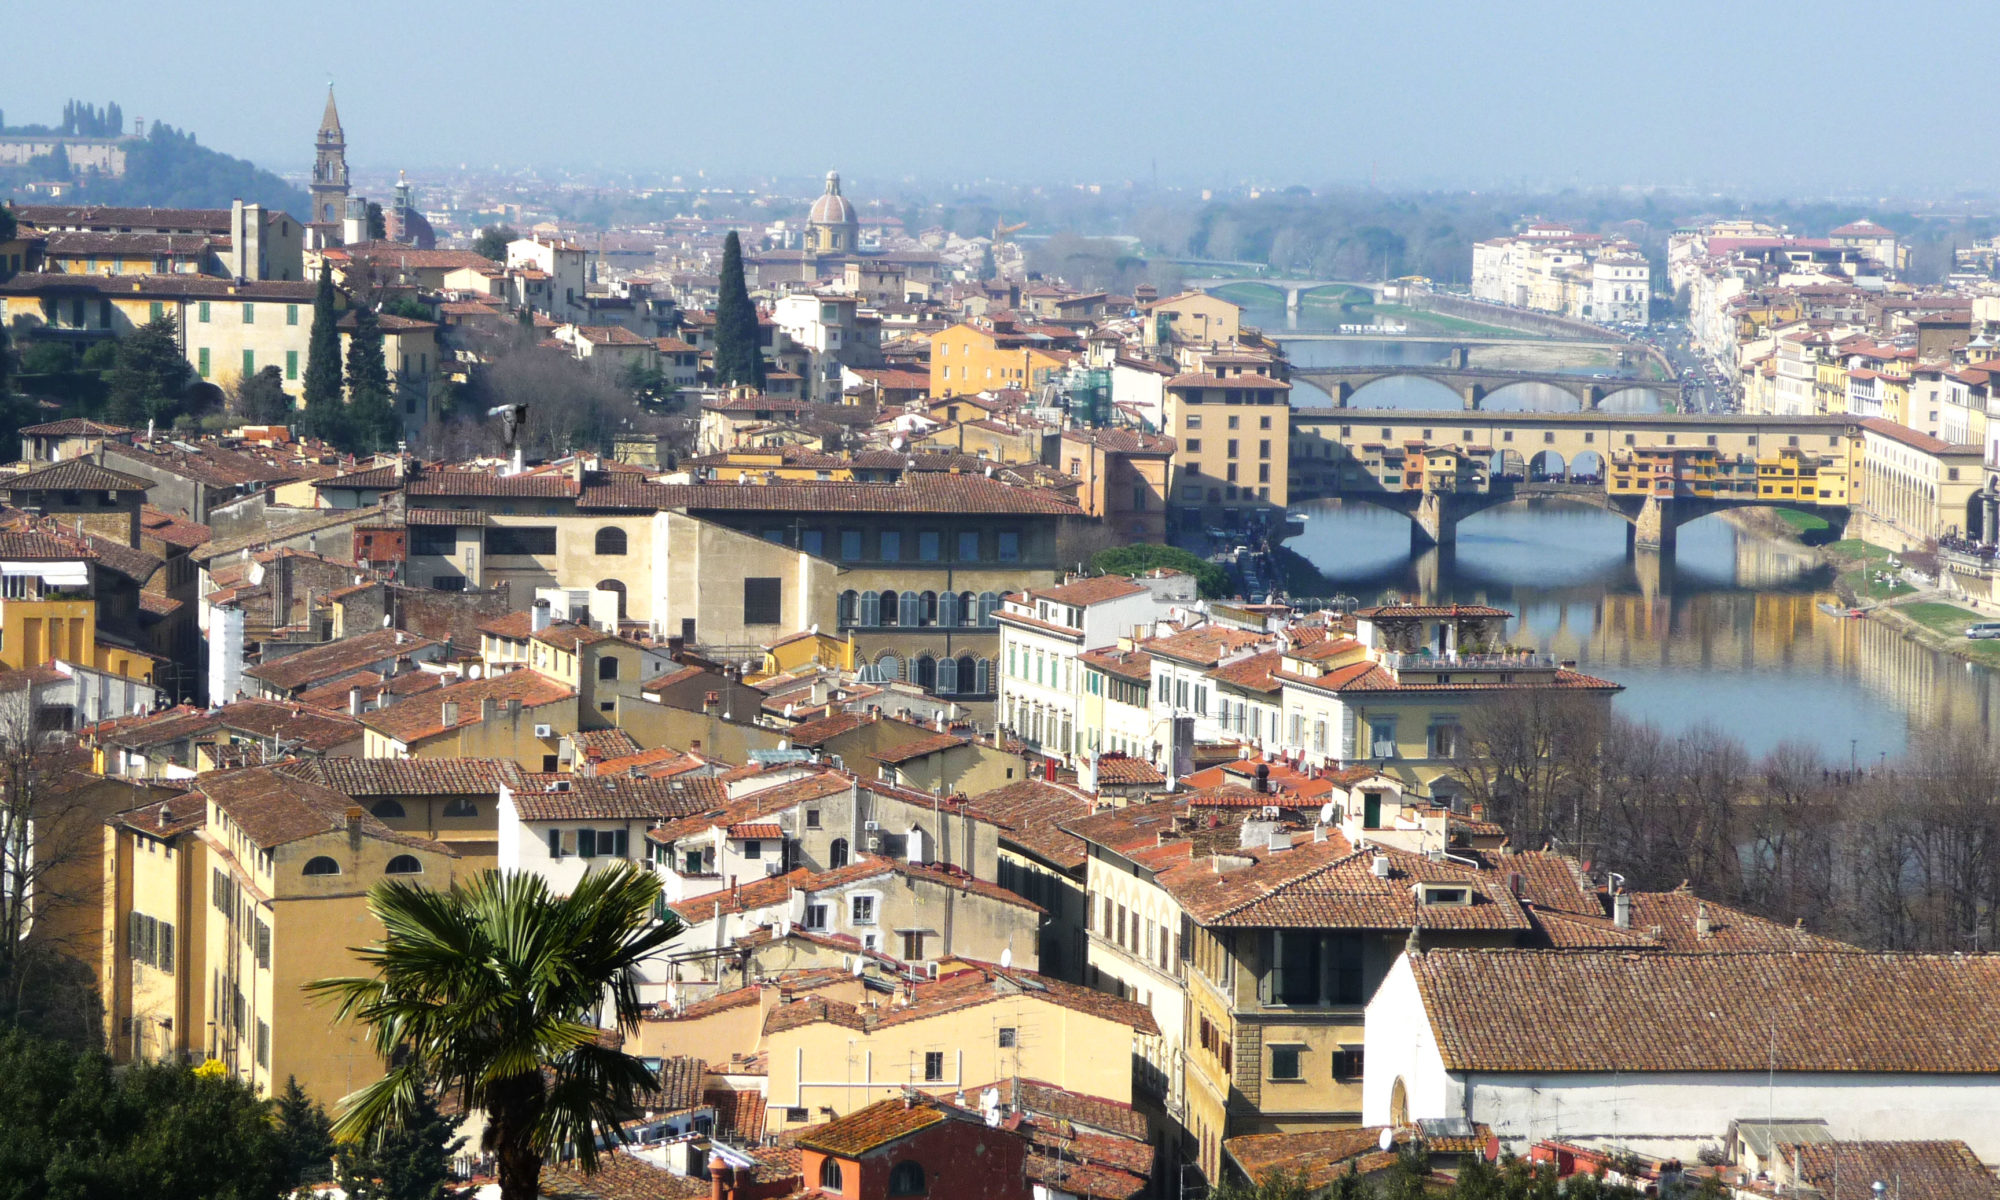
{"type": "Point", "coordinates": [1534, 95]}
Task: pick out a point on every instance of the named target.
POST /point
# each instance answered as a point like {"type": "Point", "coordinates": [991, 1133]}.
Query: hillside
{"type": "Point", "coordinates": [167, 168]}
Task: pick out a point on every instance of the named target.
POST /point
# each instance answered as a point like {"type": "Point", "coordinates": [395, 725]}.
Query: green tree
{"type": "Point", "coordinates": [371, 424]}
{"type": "Point", "coordinates": [306, 1134]}
{"type": "Point", "coordinates": [492, 241]}
{"type": "Point", "coordinates": [324, 413]}
{"type": "Point", "coordinates": [47, 358]}
{"type": "Point", "coordinates": [407, 306]}
{"type": "Point", "coordinates": [71, 1126]}
{"type": "Point", "coordinates": [378, 224]}
{"type": "Point", "coordinates": [647, 384]}
{"type": "Point", "coordinates": [1277, 1184]}
{"type": "Point", "coordinates": [408, 1163]}
{"type": "Point", "coordinates": [7, 224]}
{"type": "Point", "coordinates": [1145, 556]}
{"type": "Point", "coordinates": [151, 377]}
{"type": "Point", "coordinates": [486, 991]}
{"type": "Point", "coordinates": [261, 399]}
{"type": "Point", "coordinates": [737, 356]}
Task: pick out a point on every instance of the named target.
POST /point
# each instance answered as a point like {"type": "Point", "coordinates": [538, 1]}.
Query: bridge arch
{"type": "Point", "coordinates": [1586, 465]}
{"type": "Point", "coordinates": [1449, 397]}
{"type": "Point", "coordinates": [1633, 398]}
{"type": "Point", "coordinates": [1547, 464]}
{"type": "Point", "coordinates": [1507, 463]}
{"type": "Point", "coordinates": [1534, 395]}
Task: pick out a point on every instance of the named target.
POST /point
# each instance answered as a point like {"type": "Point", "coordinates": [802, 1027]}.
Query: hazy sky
{"type": "Point", "coordinates": [1775, 98]}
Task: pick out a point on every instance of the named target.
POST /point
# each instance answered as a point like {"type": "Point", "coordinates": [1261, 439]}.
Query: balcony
{"type": "Point", "coordinates": [1397, 660]}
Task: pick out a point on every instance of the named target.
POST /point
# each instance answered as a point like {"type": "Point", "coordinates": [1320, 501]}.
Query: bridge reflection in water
{"type": "Point", "coordinates": [1727, 633]}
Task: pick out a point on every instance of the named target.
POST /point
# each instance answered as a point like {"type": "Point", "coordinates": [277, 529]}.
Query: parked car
{"type": "Point", "coordinates": [1983, 630]}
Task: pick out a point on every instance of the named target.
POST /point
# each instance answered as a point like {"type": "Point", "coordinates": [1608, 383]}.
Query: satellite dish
{"type": "Point", "coordinates": [1007, 957]}
{"type": "Point", "coordinates": [1388, 1140]}
{"type": "Point", "coordinates": [1326, 813]}
{"type": "Point", "coordinates": [860, 963]}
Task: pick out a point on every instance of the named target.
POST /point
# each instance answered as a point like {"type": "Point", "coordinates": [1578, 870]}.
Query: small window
{"type": "Point", "coordinates": [753, 849]}
{"type": "Point", "coordinates": [812, 818]}
{"type": "Point", "coordinates": [1006, 1036]}
{"type": "Point", "coordinates": [795, 1115]}
{"type": "Point", "coordinates": [829, 1174]}
{"type": "Point", "coordinates": [459, 806]}
{"type": "Point", "coordinates": [1284, 1062]}
{"type": "Point", "coordinates": [404, 864]}
{"type": "Point", "coordinates": [933, 1066]}
{"type": "Point", "coordinates": [861, 910]}
{"type": "Point", "coordinates": [906, 1179]}
{"type": "Point", "coordinates": [607, 668]}
{"type": "Point", "coordinates": [322, 865]}
{"type": "Point", "coordinates": [388, 810]}
{"type": "Point", "coordinates": [763, 601]}
{"type": "Point", "coordinates": [611, 540]}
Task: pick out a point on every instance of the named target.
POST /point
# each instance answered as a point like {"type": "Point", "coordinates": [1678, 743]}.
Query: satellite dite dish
{"type": "Point", "coordinates": [1007, 956]}
{"type": "Point", "coordinates": [1387, 1141]}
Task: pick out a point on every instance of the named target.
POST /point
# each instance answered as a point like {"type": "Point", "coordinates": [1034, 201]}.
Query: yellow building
{"type": "Point", "coordinates": [1232, 444]}
{"type": "Point", "coordinates": [51, 607]}
{"type": "Point", "coordinates": [1193, 318]}
{"type": "Point", "coordinates": [517, 715]}
{"type": "Point", "coordinates": [221, 904]}
{"type": "Point", "coordinates": [971, 357]}
{"type": "Point", "coordinates": [804, 650]}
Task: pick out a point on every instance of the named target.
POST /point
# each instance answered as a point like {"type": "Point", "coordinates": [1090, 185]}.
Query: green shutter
{"type": "Point", "coordinates": [203, 317]}
{"type": "Point", "coordinates": [291, 364]}
{"type": "Point", "coordinates": [201, 361]}
{"type": "Point", "coordinates": [158, 310]}
{"type": "Point", "coordinates": [291, 314]}
{"type": "Point", "coordinates": [249, 314]}
{"type": "Point", "coordinates": [249, 363]}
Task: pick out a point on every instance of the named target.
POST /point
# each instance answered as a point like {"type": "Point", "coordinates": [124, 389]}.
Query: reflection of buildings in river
{"type": "Point", "coordinates": [1736, 631]}
{"type": "Point", "coordinates": [1764, 564]}
{"type": "Point", "coordinates": [1934, 689]}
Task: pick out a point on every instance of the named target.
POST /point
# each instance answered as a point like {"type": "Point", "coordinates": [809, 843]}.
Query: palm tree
{"type": "Point", "coordinates": [487, 991]}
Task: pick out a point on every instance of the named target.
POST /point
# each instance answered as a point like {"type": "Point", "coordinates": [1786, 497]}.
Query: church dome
{"type": "Point", "coordinates": [831, 208]}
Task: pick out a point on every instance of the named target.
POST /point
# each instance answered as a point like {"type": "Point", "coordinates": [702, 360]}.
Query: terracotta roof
{"type": "Point", "coordinates": [1904, 434]}
{"type": "Point", "coordinates": [570, 636]}
{"type": "Point", "coordinates": [1610, 1010]}
{"type": "Point", "coordinates": [1136, 665]}
{"type": "Point", "coordinates": [964, 985]}
{"type": "Point", "coordinates": [761, 803]}
{"type": "Point", "coordinates": [173, 530]}
{"type": "Point", "coordinates": [164, 818]}
{"type": "Point", "coordinates": [816, 733]}
{"type": "Point", "coordinates": [1935, 1170]}
{"type": "Point", "coordinates": [1092, 1112]}
{"type": "Point", "coordinates": [1254, 673]}
{"type": "Point", "coordinates": [620, 1176]}
{"type": "Point", "coordinates": [1262, 383]}
{"type": "Point", "coordinates": [273, 808]}
{"type": "Point", "coordinates": [486, 483]}
{"type": "Point", "coordinates": [73, 474]}
{"type": "Point", "coordinates": [936, 743]}
{"type": "Point", "coordinates": [1031, 813]}
{"type": "Point", "coordinates": [1204, 645]}
{"type": "Point", "coordinates": [1382, 612]}
{"type": "Point", "coordinates": [616, 797]}
{"type": "Point", "coordinates": [337, 658]}
{"type": "Point", "coordinates": [413, 720]}
{"type": "Point", "coordinates": [374, 477]}
{"type": "Point", "coordinates": [871, 1128]}
{"type": "Point", "coordinates": [361, 777]}
{"type": "Point", "coordinates": [739, 1115]}
{"type": "Point", "coordinates": [1084, 592]}
{"type": "Point", "coordinates": [443, 516]}
{"type": "Point", "coordinates": [517, 625]}
{"type": "Point", "coordinates": [1123, 770]}
{"type": "Point", "coordinates": [915, 492]}
{"type": "Point", "coordinates": [74, 427]}
{"type": "Point", "coordinates": [299, 727]}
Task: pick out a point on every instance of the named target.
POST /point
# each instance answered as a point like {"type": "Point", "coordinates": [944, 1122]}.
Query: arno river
{"type": "Point", "coordinates": [1727, 631]}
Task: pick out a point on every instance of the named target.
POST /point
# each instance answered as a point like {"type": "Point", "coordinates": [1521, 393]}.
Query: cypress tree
{"type": "Point", "coordinates": [371, 423]}
{"type": "Point", "coordinates": [150, 378]}
{"type": "Point", "coordinates": [323, 414]}
{"type": "Point", "coordinates": [737, 358]}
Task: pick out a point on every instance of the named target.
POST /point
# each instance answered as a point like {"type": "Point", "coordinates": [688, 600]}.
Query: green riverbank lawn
{"type": "Point", "coordinates": [1949, 620]}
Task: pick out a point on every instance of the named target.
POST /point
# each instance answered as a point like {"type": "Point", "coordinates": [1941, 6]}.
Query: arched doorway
{"type": "Point", "coordinates": [617, 586]}
{"type": "Point", "coordinates": [1399, 1103]}
{"type": "Point", "coordinates": [836, 856]}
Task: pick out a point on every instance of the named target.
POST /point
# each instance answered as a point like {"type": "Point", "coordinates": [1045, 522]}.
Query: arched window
{"type": "Point", "coordinates": [388, 810]}
{"type": "Point", "coordinates": [968, 608]}
{"type": "Point", "coordinates": [988, 602]}
{"type": "Point", "coordinates": [985, 676]}
{"type": "Point", "coordinates": [611, 540]}
{"type": "Point", "coordinates": [891, 606]}
{"type": "Point", "coordinates": [850, 600]}
{"type": "Point", "coordinates": [614, 586]}
{"type": "Point", "coordinates": [829, 1174]}
{"type": "Point", "coordinates": [459, 806]}
{"type": "Point", "coordinates": [836, 854]}
{"type": "Point", "coordinates": [947, 675]}
{"type": "Point", "coordinates": [906, 1179]}
{"type": "Point", "coordinates": [928, 611]}
{"type": "Point", "coordinates": [607, 667]}
{"type": "Point", "coordinates": [404, 864]}
{"type": "Point", "coordinates": [910, 609]}
{"type": "Point", "coordinates": [968, 679]}
{"type": "Point", "coordinates": [948, 610]}
{"type": "Point", "coordinates": [871, 609]}
{"type": "Point", "coordinates": [888, 668]}
{"type": "Point", "coordinates": [322, 865]}
{"type": "Point", "coordinates": [926, 672]}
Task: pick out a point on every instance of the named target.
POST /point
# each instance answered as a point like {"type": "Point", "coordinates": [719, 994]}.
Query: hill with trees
{"type": "Point", "coordinates": [167, 168]}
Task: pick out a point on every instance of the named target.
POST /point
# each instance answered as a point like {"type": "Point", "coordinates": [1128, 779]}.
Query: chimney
{"type": "Point", "coordinates": [1263, 783]}
{"type": "Point", "coordinates": [1701, 925]}
{"type": "Point", "coordinates": [354, 821]}
{"type": "Point", "coordinates": [448, 713]}
{"type": "Point", "coordinates": [538, 616]}
{"type": "Point", "coordinates": [1621, 910]}
{"type": "Point", "coordinates": [489, 709]}
{"type": "Point", "coordinates": [354, 702]}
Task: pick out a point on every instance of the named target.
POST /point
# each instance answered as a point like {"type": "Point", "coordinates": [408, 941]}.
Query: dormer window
{"type": "Point", "coordinates": [1433, 895]}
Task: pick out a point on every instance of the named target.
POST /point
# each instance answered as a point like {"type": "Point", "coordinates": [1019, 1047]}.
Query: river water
{"type": "Point", "coordinates": [1726, 631]}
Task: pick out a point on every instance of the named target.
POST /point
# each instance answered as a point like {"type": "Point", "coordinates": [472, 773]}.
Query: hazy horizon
{"type": "Point", "coordinates": [1535, 96]}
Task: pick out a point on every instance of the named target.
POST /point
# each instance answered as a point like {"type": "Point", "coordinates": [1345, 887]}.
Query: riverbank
{"type": "Point", "coordinates": [1928, 617]}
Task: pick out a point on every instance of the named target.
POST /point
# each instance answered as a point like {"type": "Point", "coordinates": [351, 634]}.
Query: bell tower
{"type": "Point", "coordinates": [329, 181]}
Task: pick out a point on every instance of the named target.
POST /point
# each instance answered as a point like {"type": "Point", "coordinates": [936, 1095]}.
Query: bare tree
{"type": "Point", "coordinates": [1531, 757]}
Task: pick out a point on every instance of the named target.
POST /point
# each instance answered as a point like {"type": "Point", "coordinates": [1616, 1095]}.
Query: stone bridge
{"type": "Point", "coordinates": [1293, 289]}
{"type": "Point", "coordinates": [1544, 453]}
{"type": "Point", "coordinates": [1475, 384]}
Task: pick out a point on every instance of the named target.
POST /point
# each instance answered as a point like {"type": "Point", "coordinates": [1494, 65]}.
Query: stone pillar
{"type": "Point", "coordinates": [1474, 393]}
{"type": "Point", "coordinates": [1656, 526]}
{"type": "Point", "coordinates": [1341, 392]}
{"type": "Point", "coordinates": [1434, 523]}
{"type": "Point", "coordinates": [1461, 357]}
{"type": "Point", "coordinates": [1989, 523]}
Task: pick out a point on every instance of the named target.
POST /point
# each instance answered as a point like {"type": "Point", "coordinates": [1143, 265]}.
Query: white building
{"type": "Point", "coordinates": [1044, 631]}
{"type": "Point", "coordinates": [1661, 1052]}
{"type": "Point", "coordinates": [550, 277]}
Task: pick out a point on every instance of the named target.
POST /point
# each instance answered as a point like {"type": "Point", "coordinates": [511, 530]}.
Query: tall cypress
{"type": "Point", "coordinates": [371, 422]}
{"type": "Point", "coordinates": [322, 384]}
{"type": "Point", "coordinates": [737, 358]}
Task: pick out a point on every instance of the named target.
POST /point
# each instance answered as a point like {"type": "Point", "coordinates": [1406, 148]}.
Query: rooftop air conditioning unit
{"type": "Point", "coordinates": [542, 731]}
{"type": "Point", "coordinates": [774, 867]}
{"type": "Point", "coordinates": [871, 826]}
